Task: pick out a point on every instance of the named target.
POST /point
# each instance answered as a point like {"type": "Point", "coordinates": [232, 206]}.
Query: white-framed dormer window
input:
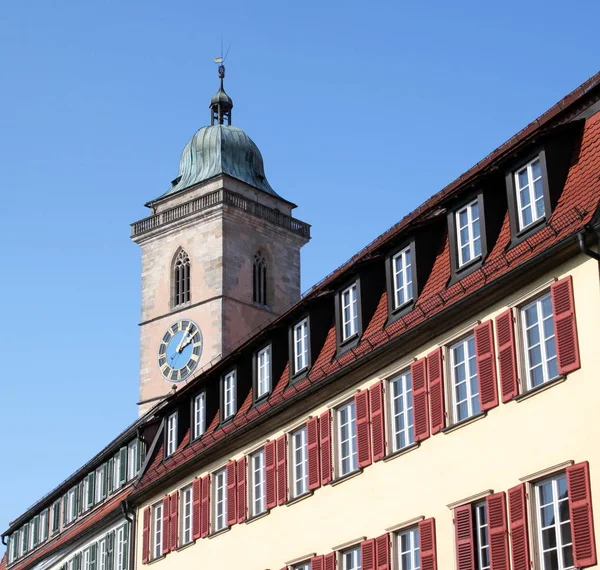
{"type": "Point", "coordinates": [299, 462]}
{"type": "Point", "coordinates": [401, 402]}
{"type": "Point", "coordinates": [34, 533]}
{"type": "Point", "coordinates": [539, 343]}
{"type": "Point", "coordinates": [468, 233]}
{"type": "Point", "coordinates": [171, 434]}
{"type": "Point", "coordinates": [199, 414]}
{"type": "Point", "coordinates": [263, 372]}
{"type": "Point", "coordinates": [55, 517]}
{"type": "Point", "coordinates": [402, 277]}
{"type": "Point", "coordinates": [346, 439]}
{"type": "Point", "coordinates": [464, 380]}
{"type": "Point", "coordinates": [349, 312]}
{"type": "Point", "coordinates": [408, 549]}
{"type": "Point", "coordinates": [220, 499]}
{"type": "Point", "coordinates": [157, 530]}
{"type": "Point", "coordinates": [229, 403]}
{"type": "Point", "coordinates": [72, 505]}
{"type": "Point", "coordinates": [132, 459]}
{"type": "Point", "coordinates": [300, 342]}
{"type": "Point", "coordinates": [13, 549]}
{"type": "Point", "coordinates": [186, 515]}
{"type": "Point", "coordinates": [351, 559]}
{"type": "Point", "coordinates": [530, 193]}
{"type": "Point", "coordinates": [44, 525]}
{"type": "Point", "coordinates": [100, 483]}
{"type": "Point", "coordinates": [257, 475]}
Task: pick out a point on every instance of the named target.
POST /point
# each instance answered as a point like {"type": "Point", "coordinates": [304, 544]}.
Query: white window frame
{"type": "Point", "coordinates": [120, 561]}
{"type": "Point", "coordinates": [187, 515]}
{"type": "Point", "coordinates": [72, 505]}
{"type": "Point", "coordinates": [132, 455]}
{"type": "Point", "coordinates": [401, 392]}
{"type": "Point", "coordinates": [300, 346]}
{"type": "Point", "coordinates": [413, 550]}
{"type": "Point", "coordinates": [258, 483]}
{"type": "Point", "coordinates": [263, 372]}
{"type": "Point", "coordinates": [351, 559]}
{"type": "Point", "coordinates": [229, 400]}
{"type": "Point", "coordinates": [199, 415]}
{"type": "Point", "coordinates": [117, 471]}
{"type": "Point", "coordinates": [171, 434]}
{"type": "Point", "coordinates": [537, 303]}
{"type": "Point", "coordinates": [100, 484]}
{"type": "Point", "coordinates": [157, 530]}
{"type": "Point", "coordinates": [555, 505]}
{"type": "Point", "coordinates": [220, 499]}
{"type": "Point", "coordinates": [299, 449]}
{"type": "Point", "coordinates": [402, 277]}
{"type": "Point", "coordinates": [480, 517]}
{"type": "Point", "coordinates": [471, 239]}
{"type": "Point", "coordinates": [44, 524]}
{"type": "Point", "coordinates": [531, 193]}
{"type": "Point", "coordinates": [302, 566]}
{"type": "Point", "coordinates": [55, 506]}
{"type": "Point", "coordinates": [349, 438]}
{"type": "Point", "coordinates": [349, 312]}
{"type": "Point", "coordinates": [472, 398]}
{"type": "Point", "coordinates": [102, 554]}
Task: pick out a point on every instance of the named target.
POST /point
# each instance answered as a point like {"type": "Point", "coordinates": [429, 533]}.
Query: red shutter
{"type": "Point", "coordinates": [382, 552]}
{"type": "Point", "coordinates": [271, 494]}
{"type": "Point", "coordinates": [316, 563]}
{"type": "Point", "coordinates": [363, 430]}
{"type": "Point", "coordinates": [486, 365]}
{"type": "Point", "coordinates": [166, 515]}
{"type": "Point", "coordinates": [146, 536]}
{"type": "Point", "coordinates": [377, 421]}
{"type": "Point", "coordinates": [241, 490]}
{"type": "Point", "coordinates": [580, 510]}
{"type": "Point", "coordinates": [463, 530]}
{"type": "Point", "coordinates": [418, 371]}
{"type": "Point", "coordinates": [428, 547]}
{"type": "Point", "coordinates": [196, 490]}
{"type": "Point", "coordinates": [231, 494]}
{"type": "Point", "coordinates": [174, 521]}
{"type": "Point", "coordinates": [435, 369]}
{"type": "Point", "coordinates": [330, 560]}
{"type": "Point", "coordinates": [325, 428]}
{"type": "Point", "coordinates": [507, 355]}
{"type": "Point", "coordinates": [565, 326]}
{"type": "Point", "coordinates": [498, 531]}
{"type": "Point", "coordinates": [367, 554]}
{"type": "Point", "coordinates": [205, 507]}
{"type": "Point", "coordinates": [282, 470]}
{"type": "Point", "coordinates": [519, 540]}
{"type": "Point", "coordinates": [312, 436]}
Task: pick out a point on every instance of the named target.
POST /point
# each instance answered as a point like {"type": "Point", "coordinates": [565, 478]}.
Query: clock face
{"type": "Point", "coordinates": [180, 350]}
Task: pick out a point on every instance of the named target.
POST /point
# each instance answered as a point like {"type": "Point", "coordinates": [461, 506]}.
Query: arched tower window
{"type": "Point", "coordinates": [259, 279]}
{"type": "Point", "coordinates": [181, 279]}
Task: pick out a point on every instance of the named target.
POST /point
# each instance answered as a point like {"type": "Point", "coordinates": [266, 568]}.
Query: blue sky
{"type": "Point", "coordinates": [362, 110]}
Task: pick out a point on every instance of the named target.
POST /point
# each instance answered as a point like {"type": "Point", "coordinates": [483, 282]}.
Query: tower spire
{"type": "Point", "coordinates": [221, 103]}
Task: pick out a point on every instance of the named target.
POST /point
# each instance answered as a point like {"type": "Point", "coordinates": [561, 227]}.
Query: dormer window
{"type": "Point", "coordinates": [263, 372]}
{"type": "Point", "coordinates": [349, 307]}
{"type": "Point", "coordinates": [402, 275]}
{"type": "Point", "coordinates": [468, 233]}
{"type": "Point", "coordinates": [530, 193]}
{"type": "Point", "coordinates": [171, 434]}
{"type": "Point", "coordinates": [300, 346]}
{"type": "Point", "coordinates": [228, 396]}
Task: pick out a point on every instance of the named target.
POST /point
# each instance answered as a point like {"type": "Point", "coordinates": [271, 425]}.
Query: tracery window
{"type": "Point", "coordinates": [259, 279]}
{"type": "Point", "coordinates": [181, 289]}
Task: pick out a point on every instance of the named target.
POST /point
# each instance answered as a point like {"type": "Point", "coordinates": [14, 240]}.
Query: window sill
{"type": "Point", "coordinates": [464, 422]}
{"type": "Point", "coordinates": [299, 498]}
{"type": "Point", "coordinates": [346, 477]}
{"type": "Point", "coordinates": [399, 312]}
{"type": "Point", "coordinates": [255, 518]}
{"type": "Point", "coordinates": [186, 545]}
{"type": "Point", "coordinates": [219, 532]}
{"type": "Point", "coordinates": [157, 559]}
{"type": "Point", "coordinates": [262, 399]}
{"type": "Point", "coordinates": [296, 377]}
{"type": "Point", "coordinates": [540, 388]}
{"type": "Point", "coordinates": [465, 270]}
{"type": "Point", "coordinates": [526, 233]}
{"type": "Point", "coordinates": [402, 451]}
{"type": "Point", "coordinates": [346, 345]}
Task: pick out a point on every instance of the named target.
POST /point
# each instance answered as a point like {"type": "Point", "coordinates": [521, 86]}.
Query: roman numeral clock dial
{"type": "Point", "coordinates": [180, 350]}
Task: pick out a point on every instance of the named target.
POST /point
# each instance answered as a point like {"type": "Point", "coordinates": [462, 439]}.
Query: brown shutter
{"type": "Point", "coordinates": [330, 560]}
{"type": "Point", "coordinates": [418, 371]}
{"type": "Point", "coordinates": [231, 494]}
{"type": "Point", "coordinates": [367, 554]}
{"type": "Point", "coordinates": [312, 436]}
{"type": "Point", "coordinates": [580, 510]}
{"type": "Point", "coordinates": [241, 490]}
{"type": "Point", "coordinates": [146, 536]}
{"type": "Point", "coordinates": [507, 355]}
{"type": "Point", "coordinates": [174, 521]}
{"type": "Point", "coordinates": [196, 496]}
{"type": "Point", "coordinates": [486, 365]}
{"type": "Point", "coordinates": [205, 506]}
{"type": "Point", "coordinates": [382, 552]}
{"type": "Point", "coordinates": [325, 429]}
{"type": "Point", "coordinates": [565, 326]}
{"type": "Point", "coordinates": [428, 546]}
{"type": "Point", "coordinates": [435, 370]}
{"type": "Point", "coordinates": [498, 531]}
{"type": "Point", "coordinates": [270, 463]}
{"type": "Point", "coordinates": [377, 421]}
{"type": "Point", "coordinates": [166, 527]}
{"type": "Point", "coordinates": [282, 469]}
{"type": "Point", "coordinates": [316, 563]}
{"type": "Point", "coordinates": [363, 429]}
{"type": "Point", "coordinates": [519, 540]}
{"type": "Point", "coordinates": [463, 530]}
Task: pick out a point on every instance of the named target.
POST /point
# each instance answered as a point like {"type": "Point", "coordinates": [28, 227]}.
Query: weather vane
{"type": "Point", "coordinates": [221, 60]}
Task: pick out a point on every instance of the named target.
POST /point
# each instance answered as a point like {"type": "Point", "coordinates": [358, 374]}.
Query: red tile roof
{"type": "Point", "coordinates": [578, 203]}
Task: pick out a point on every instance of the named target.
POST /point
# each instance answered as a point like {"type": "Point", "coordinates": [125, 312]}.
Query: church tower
{"type": "Point", "coordinates": [220, 256]}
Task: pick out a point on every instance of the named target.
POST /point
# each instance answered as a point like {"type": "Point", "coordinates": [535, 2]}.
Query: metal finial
{"type": "Point", "coordinates": [221, 104]}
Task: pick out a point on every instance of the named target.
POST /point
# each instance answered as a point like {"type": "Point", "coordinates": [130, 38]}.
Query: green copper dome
{"type": "Point", "coordinates": [221, 149]}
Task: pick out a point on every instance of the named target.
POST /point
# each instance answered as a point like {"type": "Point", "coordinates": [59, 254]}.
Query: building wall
{"type": "Point", "coordinates": [514, 440]}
